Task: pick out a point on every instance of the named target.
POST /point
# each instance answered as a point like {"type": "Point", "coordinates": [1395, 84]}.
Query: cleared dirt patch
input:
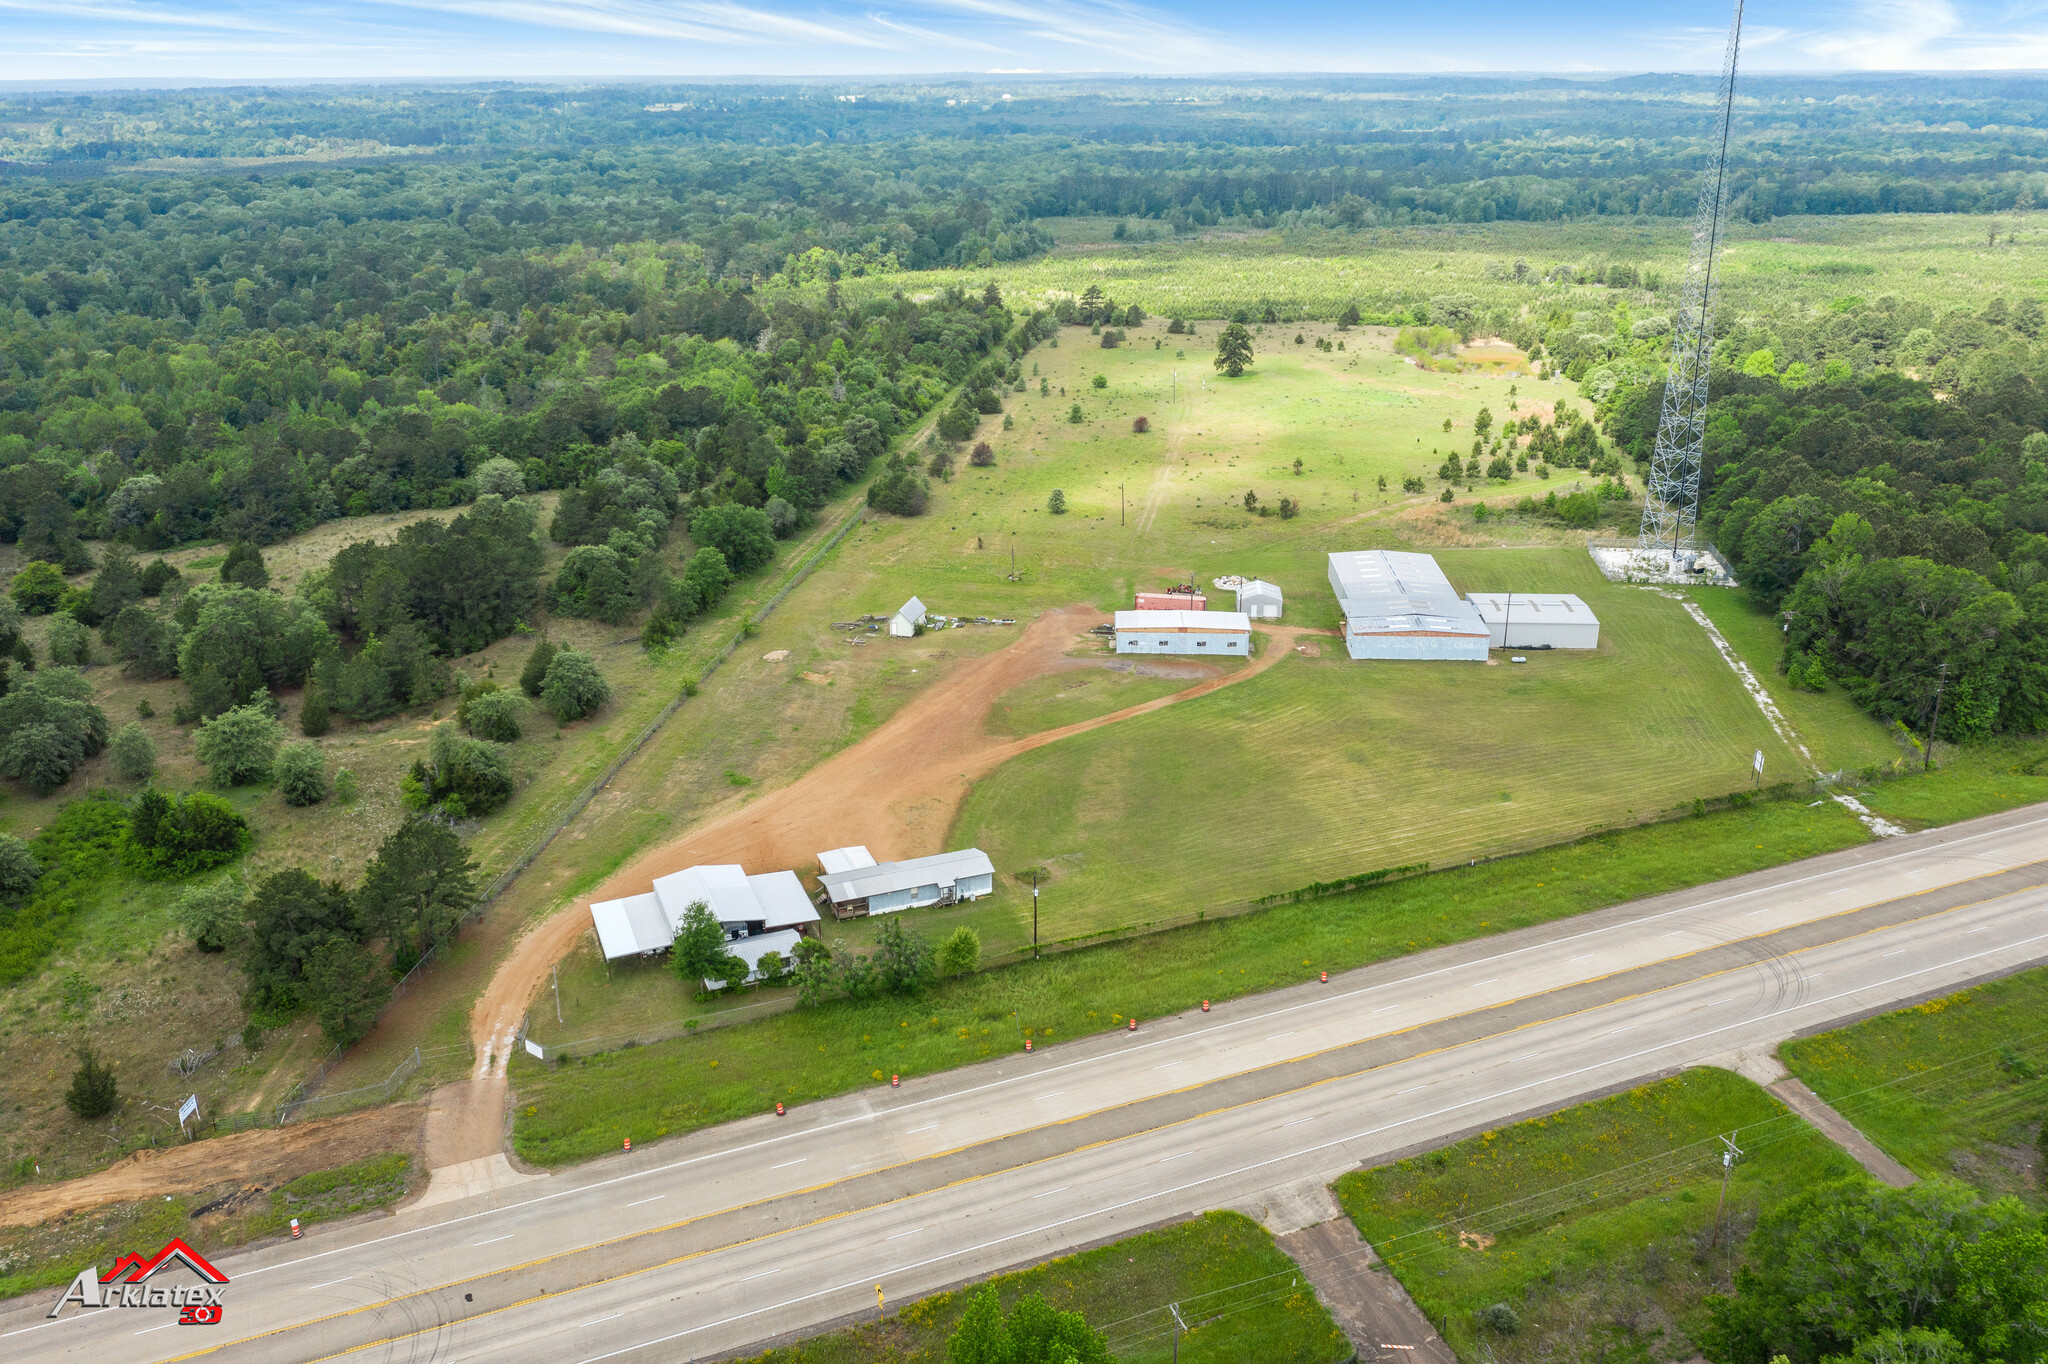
{"type": "Point", "coordinates": [265, 1156]}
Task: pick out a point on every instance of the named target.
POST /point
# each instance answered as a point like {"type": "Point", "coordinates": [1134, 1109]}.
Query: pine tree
{"type": "Point", "coordinates": [313, 715]}
{"type": "Point", "coordinates": [536, 670]}
{"type": "Point", "coordinates": [93, 1092]}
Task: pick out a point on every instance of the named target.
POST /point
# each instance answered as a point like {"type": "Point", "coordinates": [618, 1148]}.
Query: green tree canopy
{"type": "Point", "coordinates": [1234, 350]}
{"type": "Point", "coordinates": [239, 745]}
{"type": "Point", "coordinates": [418, 888]}
{"type": "Point", "coordinates": [48, 726]}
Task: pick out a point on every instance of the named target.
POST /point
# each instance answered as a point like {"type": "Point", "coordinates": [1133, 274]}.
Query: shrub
{"type": "Point", "coordinates": [1074, 414]}
{"type": "Point", "coordinates": [596, 581]}
{"type": "Point", "coordinates": [467, 777]}
{"type": "Point", "coordinates": [134, 752]}
{"type": "Point", "coordinates": [48, 726]}
{"type": "Point", "coordinates": [490, 712]}
{"type": "Point", "coordinates": [1500, 1318]}
{"type": "Point", "coordinates": [19, 870]}
{"type": "Point", "coordinates": [983, 455]}
{"type": "Point", "coordinates": [1141, 425]}
{"type": "Point", "coordinates": [574, 687]}
{"type": "Point", "coordinates": [1057, 503]}
{"type": "Point", "coordinates": [68, 643]}
{"type": "Point", "coordinates": [244, 566]}
{"type": "Point", "coordinates": [38, 588]}
{"type": "Point", "coordinates": [211, 916]}
{"type": "Point", "coordinates": [302, 773]}
{"type": "Point", "coordinates": [1100, 381]}
{"type": "Point", "coordinates": [345, 787]}
{"type": "Point", "coordinates": [239, 745]}
{"type": "Point", "coordinates": [314, 717]}
{"type": "Point", "coordinates": [941, 465]}
{"type": "Point", "coordinates": [783, 518]}
{"type": "Point", "coordinates": [960, 952]}
{"type": "Point", "coordinates": [93, 1092]}
{"type": "Point", "coordinates": [158, 576]}
{"type": "Point", "coordinates": [536, 670]}
{"type": "Point", "coordinates": [170, 838]}
{"type": "Point", "coordinates": [499, 476]}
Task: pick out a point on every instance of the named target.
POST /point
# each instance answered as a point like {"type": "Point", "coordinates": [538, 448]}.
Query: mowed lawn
{"type": "Point", "coordinates": [1324, 767]}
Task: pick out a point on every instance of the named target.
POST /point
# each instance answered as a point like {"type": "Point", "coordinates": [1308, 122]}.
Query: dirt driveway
{"type": "Point", "coordinates": [896, 791]}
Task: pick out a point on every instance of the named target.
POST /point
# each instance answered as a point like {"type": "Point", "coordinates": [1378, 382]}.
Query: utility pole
{"type": "Point", "coordinates": [1927, 758]}
{"type": "Point", "coordinates": [1727, 1165]}
{"type": "Point", "coordinates": [1178, 1326]}
{"type": "Point", "coordinates": [1034, 914]}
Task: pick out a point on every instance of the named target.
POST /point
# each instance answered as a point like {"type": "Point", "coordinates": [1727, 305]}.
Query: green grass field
{"type": "Point", "coordinates": [1592, 1224]}
{"type": "Point", "coordinates": [1955, 1086]}
{"type": "Point", "coordinates": [1840, 736]}
{"type": "Point", "coordinates": [573, 1111]}
{"type": "Point", "coordinates": [1238, 1291]}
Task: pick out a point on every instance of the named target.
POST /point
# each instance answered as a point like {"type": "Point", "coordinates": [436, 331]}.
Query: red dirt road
{"type": "Point", "coordinates": [896, 791]}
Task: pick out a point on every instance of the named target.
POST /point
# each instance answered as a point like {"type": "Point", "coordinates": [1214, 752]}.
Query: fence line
{"type": "Point", "coordinates": [352, 1098]}
{"type": "Point", "coordinates": [664, 1032]}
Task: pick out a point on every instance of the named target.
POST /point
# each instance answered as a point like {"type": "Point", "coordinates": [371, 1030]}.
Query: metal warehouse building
{"type": "Point", "coordinates": [1400, 605]}
{"type": "Point", "coordinates": [1184, 632]}
{"type": "Point", "coordinates": [1537, 620]}
{"type": "Point", "coordinates": [884, 888]}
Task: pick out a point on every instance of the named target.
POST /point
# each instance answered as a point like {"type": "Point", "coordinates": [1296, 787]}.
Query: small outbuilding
{"type": "Point", "coordinates": [907, 618]}
{"type": "Point", "coordinates": [751, 950]}
{"type": "Point", "coordinates": [845, 859]}
{"type": "Point", "coordinates": [1537, 620]}
{"type": "Point", "coordinates": [1204, 633]}
{"type": "Point", "coordinates": [1258, 599]}
{"type": "Point", "coordinates": [886, 887]}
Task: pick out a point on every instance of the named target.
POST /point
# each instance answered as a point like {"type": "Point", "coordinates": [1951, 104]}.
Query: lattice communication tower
{"type": "Point", "coordinates": [1671, 501]}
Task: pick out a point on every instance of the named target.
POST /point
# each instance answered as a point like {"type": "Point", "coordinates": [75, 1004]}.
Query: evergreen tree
{"type": "Point", "coordinates": [93, 1092]}
{"type": "Point", "coordinates": [419, 886]}
{"type": "Point", "coordinates": [535, 673]}
{"type": "Point", "coordinates": [314, 720]}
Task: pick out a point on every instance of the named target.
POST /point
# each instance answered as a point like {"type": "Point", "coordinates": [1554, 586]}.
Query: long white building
{"type": "Point", "coordinates": [1212, 634]}
{"type": "Point", "coordinates": [1400, 605]}
{"type": "Point", "coordinates": [856, 884]}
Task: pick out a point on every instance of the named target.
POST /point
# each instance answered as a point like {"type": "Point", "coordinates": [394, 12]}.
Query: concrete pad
{"type": "Point", "coordinates": [1755, 1064]}
{"type": "Point", "coordinates": [1291, 1208]}
{"type": "Point", "coordinates": [1364, 1298]}
{"type": "Point", "coordinates": [470, 1178]}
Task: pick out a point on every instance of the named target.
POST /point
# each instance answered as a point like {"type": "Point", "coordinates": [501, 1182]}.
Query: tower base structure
{"type": "Point", "coordinates": [1628, 561]}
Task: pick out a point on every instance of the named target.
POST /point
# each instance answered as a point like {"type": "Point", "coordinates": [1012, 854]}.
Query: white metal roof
{"type": "Point", "coordinates": [1260, 589]}
{"type": "Point", "coordinates": [782, 899]}
{"type": "Point", "coordinates": [630, 926]}
{"type": "Point", "coordinates": [775, 898]}
{"type": "Point", "coordinates": [1533, 608]}
{"type": "Point", "coordinates": [912, 611]}
{"type": "Point", "coordinates": [751, 950]}
{"type": "Point", "coordinates": [1205, 622]}
{"type": "Point", "coordinates": [845, 859]}
{"type": "Point", "coordinates": [1387, 591]}
{"type": "Point", "coordinates": [943, 869]}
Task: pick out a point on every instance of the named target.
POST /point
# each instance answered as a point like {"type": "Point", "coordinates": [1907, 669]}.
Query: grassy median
{"type": "Point", "coordinates": [584, 1107]}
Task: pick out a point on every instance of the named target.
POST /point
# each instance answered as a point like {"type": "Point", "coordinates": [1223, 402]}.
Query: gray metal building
{"type": "Point", "coordinates": [941, 879]}
{"type": "Point", "coordinates": [1537, 620]}
{"type": "Point", "coordinates": [1209, 634]}
{"type": "Point", "coordinates": [1400, 605]}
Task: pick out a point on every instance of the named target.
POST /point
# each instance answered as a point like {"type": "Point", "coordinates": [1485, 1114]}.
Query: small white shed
{"type": "Point", "coordinates": [907, 618]}
{"type": "Point", "coordinates": [1259, 600]}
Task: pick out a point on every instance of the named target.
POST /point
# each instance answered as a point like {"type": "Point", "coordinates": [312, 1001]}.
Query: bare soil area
{"type": "Point", "coordinates": [897, 792]}
{"type": "Point", "coordinates": [264, 1156]}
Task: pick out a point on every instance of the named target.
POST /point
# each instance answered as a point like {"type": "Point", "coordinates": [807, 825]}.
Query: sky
{"type": "Point", "coordinates": [284, 40]}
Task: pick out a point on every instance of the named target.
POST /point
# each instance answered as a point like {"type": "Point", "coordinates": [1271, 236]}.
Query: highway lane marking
{"type": "Point", "coordinates": [331, 1283]}
{"type": "Point", "coordinates": [1804, 1005]}
{"type": "Point", "coordinates": [1399, 1092]}
{"type": "Point", "coordinates": [1164, 1159]}
{"type": "Point", "coordinates": [787, 1163]}
{"type": "Point", "coordinates": [1843, 891]}
{"type": "Point", "coordinates": [1210, 1179]}
{"type": "Point", "coordinates": [1419, 1056]}
{"type": "Point", "coordinates": [1588, 957]}
{"type": "Point", "coordinates": [656, 1199]}
{"type": "Point", "coordinates": [147, 1329]}
{"type": "Point", "coordinates": [1050, 1192]}
{"type": "Point", "coordinates": [933, 1127]}
{"type": "Point", "coordinates": [901, 1234]}
{"type": "Point", "coordinates": [1163, 1041]}
{"type": "Point", "coordinates": [762, 1275]}
{"type": "Point", "coordinates": [1729, 1000]}
{"type": "Point", "coordinates": [1625, 1027]}
{"type": "Point", "coordinates": [1297, 1122]}
{"type": "Point", "coordinates": [595, 1320]}
{"type": "Point", "coordinates": [495, 1239]}
{"type": "Point", "coordinates": [1043, 1097]}
{"type": "Point", "coordinates": [1900, 953]}
{"type": "Point", "coordinates": [1495, 980]}
{"type": "Point", "coordinates": [1169, 1065]}
{"type": "Point", "coordinates": [1381, 1011]}
{"type": "Point", "coordinates": [1278, 1035]}
{"type": "Point", "coordinates": [1979, 929]}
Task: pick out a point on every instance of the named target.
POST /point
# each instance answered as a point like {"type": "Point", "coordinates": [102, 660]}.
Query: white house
{"type": "Point", "coordinates": [1225, 634]}
{"type": "Point", "coordinates": [884, 888]}
{"type": "Point", "coordinates": [1259, 600]}
{"type": "Point", "coordinates": [907, 618]}
{"type": "Point", "coordinates": [747, 906]}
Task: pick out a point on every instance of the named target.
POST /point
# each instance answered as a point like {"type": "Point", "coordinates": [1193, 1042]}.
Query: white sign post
{"type": "Point", "coordinates": [535, 1050]}
{"type": "Point", "coordinates": [187, 1110]}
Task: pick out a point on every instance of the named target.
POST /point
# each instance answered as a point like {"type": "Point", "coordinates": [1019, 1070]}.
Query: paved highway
{"type": "Point", "coordinates": [708, 1243]}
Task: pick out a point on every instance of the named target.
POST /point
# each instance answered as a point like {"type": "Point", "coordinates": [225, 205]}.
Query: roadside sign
{"type": "Point", "coordinates": [1759, 763]}
{"type": "Point", "coordinates": [188, 1110]}
{"type": "Point", "coordinates": [535, 1050]}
